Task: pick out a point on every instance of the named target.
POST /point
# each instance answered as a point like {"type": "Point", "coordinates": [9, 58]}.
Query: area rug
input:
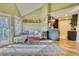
{"type": "Point", "coordinates": [30, 50]}
{"type": "Point", "coordinates": [51, 49]}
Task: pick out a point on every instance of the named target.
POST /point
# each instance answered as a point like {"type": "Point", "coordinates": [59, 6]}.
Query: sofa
{"type": "Point", "coordinates": [27, 36]}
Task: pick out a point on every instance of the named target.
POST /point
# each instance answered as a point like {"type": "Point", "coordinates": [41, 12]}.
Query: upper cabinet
{"type": "Point", "coordinates": [74, 19]}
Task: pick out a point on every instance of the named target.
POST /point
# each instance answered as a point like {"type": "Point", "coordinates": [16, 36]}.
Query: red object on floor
{"type": "Point", "coordinates": [33, 39]}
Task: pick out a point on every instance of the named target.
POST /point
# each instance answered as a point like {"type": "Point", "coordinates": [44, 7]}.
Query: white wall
{"type": "Point", "coordinates": [31, 26]}
{"type": "Point", "coordinates": [44, 18]}
{"type": "Point", "coordinates": [64, 27]}
{"type": "Point", "coordinates": [77, 40]}
{"type": "Point", "coordinates": [41, 14]}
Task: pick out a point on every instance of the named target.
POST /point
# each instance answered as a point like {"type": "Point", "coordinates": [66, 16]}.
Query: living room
{"type": "Point", "coordinates": [34, 28]}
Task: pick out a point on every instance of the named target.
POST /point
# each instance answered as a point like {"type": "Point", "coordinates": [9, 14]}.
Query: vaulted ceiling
{"type": "Point", "coordinates": [59, 6]}
{"type": "Point", "coordinates": [25, 8]}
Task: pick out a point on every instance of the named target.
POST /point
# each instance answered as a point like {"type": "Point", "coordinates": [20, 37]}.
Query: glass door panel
{"type": "Point", "coordinates": [4, 30]}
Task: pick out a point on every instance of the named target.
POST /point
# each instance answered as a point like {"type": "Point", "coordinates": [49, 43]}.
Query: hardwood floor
{"type": "Point", "coordinates": [71, 48]}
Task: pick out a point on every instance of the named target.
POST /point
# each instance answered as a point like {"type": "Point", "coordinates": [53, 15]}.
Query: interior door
{"type": "Point", "coordinates": [4, 30]}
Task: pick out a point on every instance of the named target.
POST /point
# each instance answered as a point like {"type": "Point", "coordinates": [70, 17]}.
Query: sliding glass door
{"type": "Point", "coordinates": [4, 30]}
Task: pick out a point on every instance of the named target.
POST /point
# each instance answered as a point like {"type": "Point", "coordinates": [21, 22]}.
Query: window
{"type": "Point", "coordinates": [4, 28]}
{"type": "Point", "coordinates": [18, 27]}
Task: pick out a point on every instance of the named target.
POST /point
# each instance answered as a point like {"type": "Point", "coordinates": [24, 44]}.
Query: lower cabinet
{"type": "Point", "coordinates": [72, 35]}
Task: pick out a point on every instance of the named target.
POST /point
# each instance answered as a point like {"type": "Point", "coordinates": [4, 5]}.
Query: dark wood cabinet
{"type": "Point", "coordinates": [72, 35]}
{"type": "Point", "coordinates": [74, 19]}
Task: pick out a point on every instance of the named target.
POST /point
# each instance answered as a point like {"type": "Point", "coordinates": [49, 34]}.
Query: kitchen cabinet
{"type": "Point", "coordinates": [72, 35]}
